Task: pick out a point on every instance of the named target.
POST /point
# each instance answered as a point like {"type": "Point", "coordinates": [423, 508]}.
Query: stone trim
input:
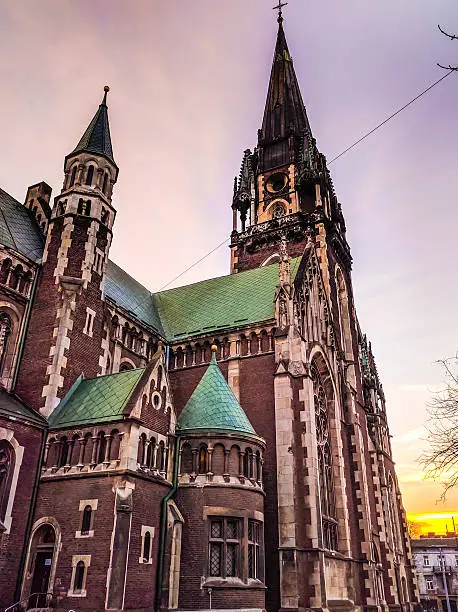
{"type": "Point", "coordinates": [8, 435]}
{"type": "Point", "coordinates": [86, 559]}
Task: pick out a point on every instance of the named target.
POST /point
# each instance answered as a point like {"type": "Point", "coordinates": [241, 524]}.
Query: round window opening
{"type": "Point", "coordinates": [279, 211]}
{"type": "Point", "coordinates": [276, 182]}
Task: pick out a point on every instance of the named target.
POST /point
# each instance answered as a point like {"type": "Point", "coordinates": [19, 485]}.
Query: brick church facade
{"type": "Point", "coordinates": [222, 445]}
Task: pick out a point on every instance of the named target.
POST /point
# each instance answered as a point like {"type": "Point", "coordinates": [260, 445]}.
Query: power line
{"type": "Point", "coordinates": [366, 135]}
{"type": "Point", "coordinates": [390, 117]}
{"type": "Point", "coordinates": [194, 264]}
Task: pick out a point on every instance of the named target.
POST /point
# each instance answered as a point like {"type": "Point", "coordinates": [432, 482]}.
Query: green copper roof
{"type": "Point", "coordinates": [97, 139]}
{"type": "Point", "coordinates": [18, 228]}
{"type": "Point", "coordinates": [12, 407]}
{"type": "Point", "coordinates": [96, 400]}
{"type": "Point", "coordinates": [129, 294]}
{"type": "Point", "coordinates": [213, 406]}
{"type": "Point", "coordinates": [206, 307]}
{"type": "Point", "coordinates": [219, 303]}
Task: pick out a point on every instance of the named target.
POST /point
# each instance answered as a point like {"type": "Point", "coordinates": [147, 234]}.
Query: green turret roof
{"type": "Point", "coordinates": [97, 139]}
{"type": "Point", "coordinates": [213, 407]}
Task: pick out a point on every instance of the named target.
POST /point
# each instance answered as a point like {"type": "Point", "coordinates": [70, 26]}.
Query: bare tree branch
{"type": "Point", "coordinates": [451, 36]}
{"type": "Point", "coordinates": [440, 461]}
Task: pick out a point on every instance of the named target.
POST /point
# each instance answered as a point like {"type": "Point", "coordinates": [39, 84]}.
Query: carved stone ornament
{"type": "Point", "coordinates": [296, 368]}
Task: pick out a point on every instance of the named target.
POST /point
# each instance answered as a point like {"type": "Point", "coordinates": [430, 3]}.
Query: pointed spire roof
{"type": "Point", "coordinates": [214, 407]}
{"type": "Point", "coordinates": [284, 112]}
{"type": "Point", "coordinates": [97, 139]}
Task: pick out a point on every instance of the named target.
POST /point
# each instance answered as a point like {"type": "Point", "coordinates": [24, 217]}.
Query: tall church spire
{"type": "Point", "coordinates": [284, 112]}
{"type": "Point", "coordinates": [284, 188]}
{"type": "Point", "coordinates": [97, 139]}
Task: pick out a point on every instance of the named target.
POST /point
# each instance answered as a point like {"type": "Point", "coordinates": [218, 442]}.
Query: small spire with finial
{"type": "Point", "coordinates": [106, 89]}
{"type": "Point", "coordinates": [279, 8]}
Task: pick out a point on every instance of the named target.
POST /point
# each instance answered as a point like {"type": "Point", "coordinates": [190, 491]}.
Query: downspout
{"type": "Point", "coordinates": [163, 524]}
{"type": "Point", "coordinates": [25, 327]}
{"type": "Point", "coordinates": [28, 529]}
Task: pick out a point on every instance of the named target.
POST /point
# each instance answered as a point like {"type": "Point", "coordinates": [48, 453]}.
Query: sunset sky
{"type": "Point", "coordinates": [188, 84]}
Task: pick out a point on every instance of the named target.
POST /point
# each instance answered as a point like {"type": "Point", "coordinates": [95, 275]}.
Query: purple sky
{"type": "Point", "coordinates": [188, 84]}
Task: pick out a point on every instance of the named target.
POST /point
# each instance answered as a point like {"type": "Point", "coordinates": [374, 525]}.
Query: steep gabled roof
{"type": "Point", "coordinates": [213, 407]}
{"type": "Point", "coordinates": [97, 139]}
{"type": "Point", "coordinates": [96, 400]}
{"type": "Point", "coordinates": [18, 228]}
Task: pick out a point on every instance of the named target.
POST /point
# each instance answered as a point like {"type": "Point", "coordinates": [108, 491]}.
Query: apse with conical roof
{"type": "Point", "coordinates": [213, 407]}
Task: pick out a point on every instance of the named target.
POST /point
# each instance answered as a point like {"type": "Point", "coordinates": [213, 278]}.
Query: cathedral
{"type": "Point", "coordinates": [217, 446]}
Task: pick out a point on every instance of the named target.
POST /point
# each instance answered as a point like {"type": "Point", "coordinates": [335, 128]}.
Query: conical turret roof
{"type": "Point", "coordinates": [214, 407]}
{"type": "Point", "coordinates": [284, 112]}
{"type": "Point", "coordinates": [97, 139]}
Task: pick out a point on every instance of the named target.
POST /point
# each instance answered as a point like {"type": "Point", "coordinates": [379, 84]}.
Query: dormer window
{"type": "Point", "coordinates": [90, 175]}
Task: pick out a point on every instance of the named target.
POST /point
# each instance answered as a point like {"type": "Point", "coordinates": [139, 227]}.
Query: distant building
{"type": "Point", "coordinates": [436, 557]}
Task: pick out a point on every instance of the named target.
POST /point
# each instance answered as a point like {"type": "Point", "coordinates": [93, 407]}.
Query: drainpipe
{"type": "Point", "coordinates": [25, 327]}
{"type": "Point", "coordinates": [28, 529]}
{"type": "Point", "coordinates": [163, 524]}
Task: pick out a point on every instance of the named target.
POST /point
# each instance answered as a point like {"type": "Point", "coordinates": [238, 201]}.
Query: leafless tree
{"type": "Point", "coordinates": [440, 460]}
{"type": "Point", "coordinates": [452, 37]}
{"type": "Point", "coordinates": [414, 530]}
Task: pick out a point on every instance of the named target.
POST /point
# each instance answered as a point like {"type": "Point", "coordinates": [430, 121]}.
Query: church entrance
{"type": "Point", "coordinates": [40, 565]}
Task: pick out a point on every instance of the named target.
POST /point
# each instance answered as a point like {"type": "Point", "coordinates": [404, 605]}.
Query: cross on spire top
{"type": "Point", "coordinates": [278, 8]}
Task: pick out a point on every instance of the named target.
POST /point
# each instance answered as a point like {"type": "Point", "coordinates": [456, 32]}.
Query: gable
{"type": "Point", "coordinates": [152, 401]}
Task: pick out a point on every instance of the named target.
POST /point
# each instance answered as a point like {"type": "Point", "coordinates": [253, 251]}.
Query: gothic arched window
{"type": "Point", "coordinates": [5, 331]}
{"type": "Point", "coordinates": [6, 474]}
{"type": "Point", "coordinates": [79, 577]}
{"type": "Point", "coordinates": [326, 484]}
{"type": "Point", "coordinates": [105, 179]}
{"type": "Point", "coordinates": [89, 175]}
{"type": "Point", "coordinates": [73, 176]}
{"type": "Point", "coordinates": [86, 522]}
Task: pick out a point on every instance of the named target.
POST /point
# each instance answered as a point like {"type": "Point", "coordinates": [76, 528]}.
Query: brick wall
{"type": "Point", "coordinates": [11, 544]}
{"type": "Point", "coordinates": [191, 502]}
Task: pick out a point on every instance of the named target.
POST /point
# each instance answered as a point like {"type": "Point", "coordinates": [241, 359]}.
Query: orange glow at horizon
{"type": "Point", "coordinates": [439, 523]}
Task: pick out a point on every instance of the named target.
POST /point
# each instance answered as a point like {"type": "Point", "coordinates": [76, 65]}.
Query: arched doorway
{"type": "Point", "coordinates": [39, 576]}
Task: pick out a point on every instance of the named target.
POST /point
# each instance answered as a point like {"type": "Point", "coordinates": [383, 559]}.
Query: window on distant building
{"type": "Point", "coordinates": [429, 583]}
{"type": "Point", "coordinates": [426, 560]}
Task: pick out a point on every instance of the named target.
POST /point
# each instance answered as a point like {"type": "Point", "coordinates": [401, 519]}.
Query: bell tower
{"type": "Point", "coordinates": [66, 329]}
{"type": "Point", "coordinates": [284, 186]}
